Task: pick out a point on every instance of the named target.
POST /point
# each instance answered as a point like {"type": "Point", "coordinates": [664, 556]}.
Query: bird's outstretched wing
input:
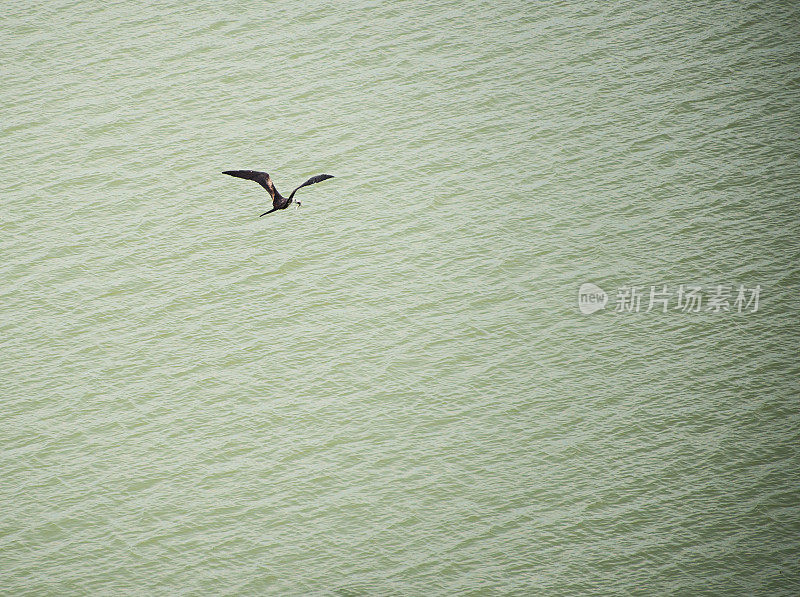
{"type": "Point", "coordinates": [312, 180]}
{"type": "Point", "coordinates": [261, 178]}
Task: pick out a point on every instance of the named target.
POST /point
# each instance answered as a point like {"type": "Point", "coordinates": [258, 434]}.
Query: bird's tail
{"type": "Point", "coordinates": [268, 212]}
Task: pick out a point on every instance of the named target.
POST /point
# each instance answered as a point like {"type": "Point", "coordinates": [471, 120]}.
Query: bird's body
{"type": "Point", "coordinates": [278, 200]}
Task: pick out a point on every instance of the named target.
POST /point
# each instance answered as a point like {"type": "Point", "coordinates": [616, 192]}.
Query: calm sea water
{"type": "Point", "coordinates": [392, 391]}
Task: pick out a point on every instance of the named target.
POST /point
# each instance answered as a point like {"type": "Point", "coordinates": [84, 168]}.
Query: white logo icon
{"type": "Point", "coordinates": [591, 298]}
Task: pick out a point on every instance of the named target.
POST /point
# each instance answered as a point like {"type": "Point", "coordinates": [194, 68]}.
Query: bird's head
{"type": "Point", "coordinates": [298, 204]}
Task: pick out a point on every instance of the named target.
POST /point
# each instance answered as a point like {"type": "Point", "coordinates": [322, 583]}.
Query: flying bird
{"type": "Point", "coordinates": [278, 200]}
